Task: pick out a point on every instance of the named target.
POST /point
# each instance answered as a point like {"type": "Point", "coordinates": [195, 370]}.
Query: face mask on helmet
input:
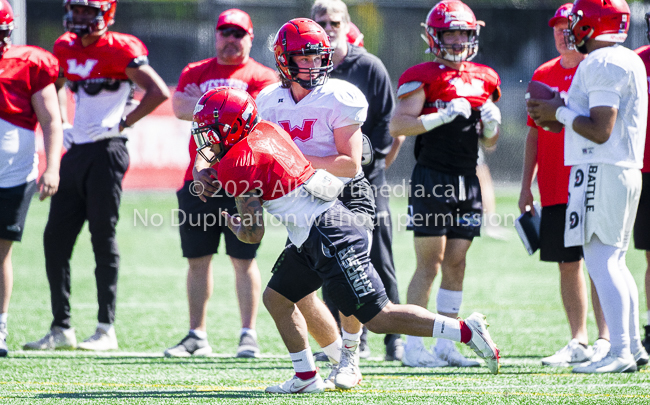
{"type": "Point", "coordinates": [6, 25]}
{"type": "Point", "coordinates": [83, 26]}
{"type": "Point", "coordinates": [223, 116]}
{"type": "Point", "coordinates": [301, 37]}
{"type": "Point", "coordinates": [595, 19]}
{"type": "Point", "coordinates": [452, 15]}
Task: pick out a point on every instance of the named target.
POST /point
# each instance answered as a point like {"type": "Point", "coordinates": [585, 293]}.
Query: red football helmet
{"type": "Point", "coordinates": [223, 115]}
{"type": "Point", "coordinates": [598, 19]}
{"type": "Point", "coordinates": [451, 15]}
{"type": "Point", "coordinates": [6, 25]}
{"type": "Point", "coordinates": [105, 16]}
{"type": "Point", "coordinates": [302, 36]}
{"type": "Point", "coordinates": [355, 37]}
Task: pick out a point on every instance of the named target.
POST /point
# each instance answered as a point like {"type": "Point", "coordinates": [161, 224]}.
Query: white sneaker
{"type": "Point", "coordinates": [348, 374]}
{"type": "Point", "coordinates": [101, 341]}
{"type": "Point", "coordinates": [641, 357]}
{"type": "Point", "coordinates": [191, 345]}
{"type": "Point", "coordinates": [481, 342]}
{"type": "Point", "coordinates": [601, 348]}
{"type": "Point", "coordinates": [56, 338]}
{"type": "Point", "coordinates": [453, 357]}
{"type": "Point", "coordinates": [295, 385]}
{"type": "Point", "coordinates": [4, 350]}
{"type": "Point", "coordinates": [570, 355]}
{"type": "Point", "coordinates": [421, 357]}
{"type": "Point", "coordinates": [610, 364]}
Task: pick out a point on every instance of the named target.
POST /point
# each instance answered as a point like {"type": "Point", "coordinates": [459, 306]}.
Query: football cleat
{"type": "Point", "coordinates": [610, 364]}
{"type": "Point", "coordinates": [481, 342]}
{"type": "Point", "coordinates": [247, 346]}
{"type": "Point", "coordinates": [348, 374]}
{"type": "Point", "coordinates": [421, 357]}
{"type": "Point", "coordinates": [646, 341]}
{"type": "Point", "coordinates": [295, 385]}
{"type": "Point", "coordinates": [570, 355]}
{"type": "Point", "coordinates": [453, 357]}
{"type": "Point", "coordinates": [641, 357]}
{"type": "Point", "coordinates": [191, 345]}
{"type": "Point", "coordinates": [321, 356]}
{"type": "Point", "coordinates": [56, 338]}
{"type": "Point", "coordinates": [100, 341]}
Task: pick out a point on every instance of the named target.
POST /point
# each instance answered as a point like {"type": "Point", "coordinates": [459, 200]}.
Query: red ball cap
{"type": "Point", "coordinates": [235, 18]}
{"type": "Point", "coordinates": [562, 12]}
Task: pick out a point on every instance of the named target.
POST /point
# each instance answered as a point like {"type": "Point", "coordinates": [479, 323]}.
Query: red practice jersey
{"type": "Point", "coordinates": [107, 58]}
{"type": "Point", "coordinates": [24, 70]}
{"type": "Point", "coordinates": [208, 74]}
{"type": "Point", "coordinates": [451, 148]}
{"type": "Point", "coordinates": [552, 175]}
{"type": "Point", "coordinates": [644, 53]}
{"type": "Point", "coordinates": [266, 160]}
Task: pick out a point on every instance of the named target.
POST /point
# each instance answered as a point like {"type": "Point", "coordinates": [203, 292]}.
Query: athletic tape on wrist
{"type": "Point", "coordinates": [566, 116]}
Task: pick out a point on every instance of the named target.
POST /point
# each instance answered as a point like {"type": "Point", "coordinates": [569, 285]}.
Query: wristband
{"type": "Point", "coordinates": [431, 121]}
{"type": "Point", "coordinates": [566, 116]}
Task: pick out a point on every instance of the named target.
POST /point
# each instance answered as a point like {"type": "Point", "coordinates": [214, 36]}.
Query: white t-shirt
{"type": "Point", "coordinates": [613, 76]}
{"type": "Point", "coordinates": [18, 158]}
{"type": "Point", "coordinates": [311, 121]}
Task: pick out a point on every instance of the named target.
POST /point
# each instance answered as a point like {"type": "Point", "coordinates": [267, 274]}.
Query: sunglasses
{"type": "Point", "coordinates": [334, 24]}
{"type": "Point", "coordinates": [236, 32]}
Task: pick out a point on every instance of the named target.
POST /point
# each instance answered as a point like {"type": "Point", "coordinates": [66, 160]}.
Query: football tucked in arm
{"type": "Point", "coordinates": [539, 90]}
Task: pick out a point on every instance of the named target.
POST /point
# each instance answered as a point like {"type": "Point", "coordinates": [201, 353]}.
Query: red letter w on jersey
{"type": "Point", "coordinates": [304, 132]}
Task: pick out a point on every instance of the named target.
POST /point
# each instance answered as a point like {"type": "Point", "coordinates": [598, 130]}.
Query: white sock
{"type": "Point", "coordinates": [351, 336]}
{"type": "Point", "coordinates": [635, 335]}
{"type": "Point", "coordinates": [604, 268]}
{"type": "Point", "coordinates": [333, 351]}
{"type": "Point", "coordinates": [446, 328]}
{"type": "Point", "coordinates": [448, 301]}
{"type": "Point", "coordinates": [303, 361]}
{"type": "Point", "coordinates": [413, 342]}
{"type": "Point", "coordinates": [249, 331]}
{"type": "Point", "coordinates": [201, 334]}
{"type": "Point", "coordinates": [106, 327]}
{"type": "Point", "coordinates": [3, 318]}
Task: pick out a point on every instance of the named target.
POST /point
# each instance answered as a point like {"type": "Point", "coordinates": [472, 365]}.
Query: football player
{"type": "Point", "coordinates": [262, 166]}
{"type": "Point", "coordinates": [642, 222]}
{"type": "Point", "coordinates": [605, 124]}
{"type": "Point", "coordinates": [324, 118]}
{"type": "Point", "coordinates": [544, 155]}
{"type": "Point", "coordinates": [232, 66]}
{"type": "Point", "coordinates": [100, 67]}
{"type": "Point", "coordinates": [449, 105]}
{"type": "Point", "coordinates": [368, 73]}
{"type": "Point", "coordinates": [27, 98]}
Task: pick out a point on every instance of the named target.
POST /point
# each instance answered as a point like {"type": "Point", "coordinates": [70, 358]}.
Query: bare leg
{"type": "Point", "coordinates": [429, 252]}
{"type": "Point", "coordinates": [350, 324]}
{"type": "Point", "coordinates": [573, 289]}
{"type": "Point", "coordinates": [199, 290]}
{"type": "Point", "coordinates": [453, 267]}
{"type": "Point", "coordinates": [248, 286]}
{"type": "Point", "coordinates": [288, 319]}
{"type": "Point", "coordinates": [6, 275]}
{"type": "Point", "coordinates": [319, 319]}
{"type": "Point", "coordinates": [408, 319]}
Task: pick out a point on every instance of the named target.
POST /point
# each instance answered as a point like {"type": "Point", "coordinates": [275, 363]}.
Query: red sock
{"type": "Point", "coordinates": [306, 375]}
{"type": "Point", "coordinates": [465, 333]}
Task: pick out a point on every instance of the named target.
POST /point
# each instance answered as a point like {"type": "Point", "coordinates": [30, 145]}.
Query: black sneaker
{"type": "Point", "coordinates": [646, 341]}
{"type": "Point", "coordinates": [247, 347]}
{"type": "Point", "coordinates": [394, 350]}
{"type": "Point", "coordinates": [321, 356]}
{"type": "Point", "coordinates": [191, 345]}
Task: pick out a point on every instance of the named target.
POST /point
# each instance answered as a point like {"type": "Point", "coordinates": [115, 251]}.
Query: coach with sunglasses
{"type": "Point", "coordinates": [199, 241]}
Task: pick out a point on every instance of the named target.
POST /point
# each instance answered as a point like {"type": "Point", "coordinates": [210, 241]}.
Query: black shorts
{"type": "Point", "coordinates": [642, 222]}
{"type": "Point", "coordinates": [358, 196]}
{"type": "Point", "coordinates": [201, 226]}
{"type": "Point", "coordinates": [551, 235]}
{"type": "Point", "coordinates": [334, 256]}
{"type": "Point", "coordinates": [14, 203]}
{"type": "Point", "coordinates": [444, 204]}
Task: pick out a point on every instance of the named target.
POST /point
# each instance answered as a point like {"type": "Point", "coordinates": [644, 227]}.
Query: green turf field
{"type": "Point", "coordinates": [519, 295]}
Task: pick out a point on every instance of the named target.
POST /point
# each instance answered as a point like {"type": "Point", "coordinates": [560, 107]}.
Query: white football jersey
{"type": "Point", "coordinates": [311, 121]}
{"type": "Point", "coordinates": [613, 76]}
{"type": "Point", "coordinates": [18, 158]}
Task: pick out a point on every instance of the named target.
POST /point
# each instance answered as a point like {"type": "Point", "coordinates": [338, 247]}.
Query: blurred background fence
{"type": "Point", "coordinates": [515, 40]}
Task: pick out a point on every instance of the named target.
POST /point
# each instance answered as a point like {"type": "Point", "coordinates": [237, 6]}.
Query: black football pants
{"type": "Point", "coordinates": [90, 189]}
